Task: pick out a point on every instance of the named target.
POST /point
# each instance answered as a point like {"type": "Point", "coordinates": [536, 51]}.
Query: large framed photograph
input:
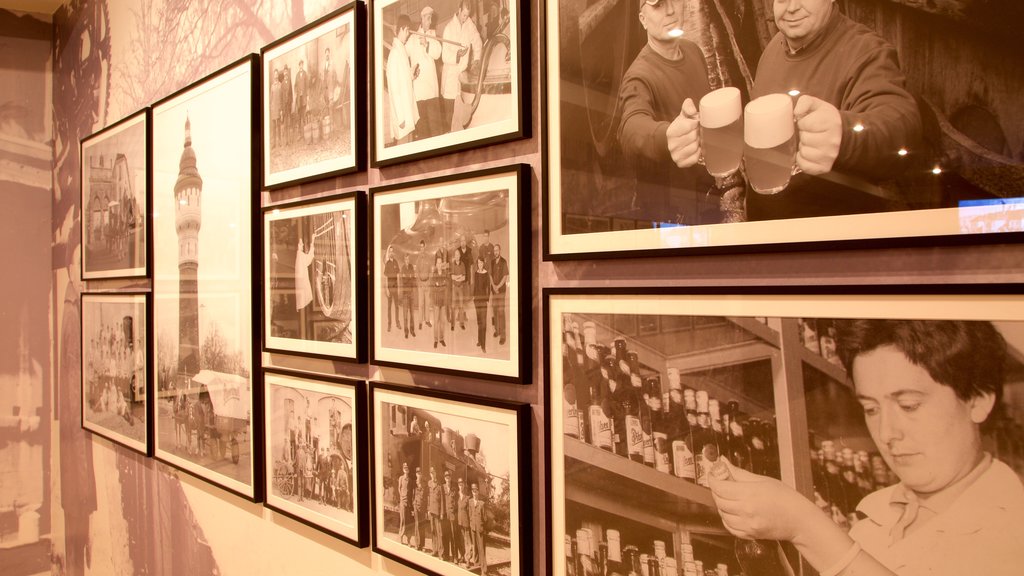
{"type": "Point", "coordinates": [314, 277]}
{"type": "Point", "coordinates": [115, 368]}
{"type": "Point", "coordinates": [450, 273]}
{"type": "Point", "coordinates": [317, 452]}
{"type": "Point", "coordinates": [845, 394]}
{"type": "Point", "coordinates": [451, 482]}
{"type": "Point", "coordinates": [446, 76]}
{"type": "Point", "coordinates": [115, 200]}
{"type": "Point", "coordinates": [206, 354]}
{"type": "Point", "coordinates": [659, 137]}
{"type": "Point", "coordinates": [314, 115]}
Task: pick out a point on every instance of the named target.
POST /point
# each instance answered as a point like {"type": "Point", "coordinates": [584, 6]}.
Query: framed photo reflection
{"type": "Point", "coordinates": [313, 110]}
{"type": "Point", "coordinates": [206, 354]}
{"type": "Point", "coordinates": [446, 75]}
{"type": "Point", "coordinates": [699, 135]}
{"type": "Point", "coordinates": [314, 277]}
{"type": "Point", "coordinates": [450, 274]}
{"type": "Point", "coordinates": [115, 200]}
{"type": "Point", "coordinates": [316, 452]}
{"type": "Point", "coordinates": [451, 482]}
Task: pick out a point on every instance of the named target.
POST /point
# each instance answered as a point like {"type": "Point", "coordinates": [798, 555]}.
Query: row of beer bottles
{"type": "Point", "coordinates": [612, 402]}
{"type": "Point", "coordinates": [588, 554]}
{"type": "Point", "coordinates": [843, 477]}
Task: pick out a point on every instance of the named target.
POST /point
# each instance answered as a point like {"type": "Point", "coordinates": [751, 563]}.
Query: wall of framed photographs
{"type": "Point", "coordinates": [327, 300]}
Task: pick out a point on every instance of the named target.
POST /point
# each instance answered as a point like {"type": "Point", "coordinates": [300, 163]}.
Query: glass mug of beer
{"type": "Point", "coordinates": [770, 143]}
{"type": "Point", "coordinates": [721, 131]}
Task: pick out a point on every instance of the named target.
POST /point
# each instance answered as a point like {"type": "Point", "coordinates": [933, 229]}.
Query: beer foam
{"type": "Point", "coordinates": [768, 121]}
{"type": "Point", "coordinates": [720, 107]}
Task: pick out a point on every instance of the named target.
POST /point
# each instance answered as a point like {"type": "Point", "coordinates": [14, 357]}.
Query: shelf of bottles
{"type": "Point", "coordinates": [644, 416]}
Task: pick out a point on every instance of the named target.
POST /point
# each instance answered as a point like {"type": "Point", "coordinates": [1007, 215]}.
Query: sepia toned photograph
{"type": "Point", "coordinates": [312, 109]}
{"type": "Point", "coordinates": [115, 369]}
{"type": "Point", "coordinates": [449, 274]}
{"type": "Point", "coordinates": [205, 352]}
{"type": "Point", "coordinates": [115, 199]}
{"type": "Point", "coordinates": [451, 482]}
{"type": "Point", "coordinates": [316, 453]}
{"type": "Point", "coordinates": [314, 277]}
{"type": "Point", "coordinates": [447, 75]}
{"type": "Point", "coordinates": [748, 414]}
{"type": "Point", "coordinates": [688, 126]}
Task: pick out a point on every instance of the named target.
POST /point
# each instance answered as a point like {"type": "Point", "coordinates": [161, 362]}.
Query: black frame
{"type": "Point", "coordinates": [147, 329]}
{"type": "Point", "coordinates": [518, 237]}
{"type": "Point", "coordinates": [145, 116]}
{"type": "Point", "coordinates": [360, 471]}
{"type": "Point", "coordinates": [520, 413]}
{"type": "Point", "coordinates": [359, 269]}
{"type": "Point", "coordinates": [895, 292]}
{"type": "Point", "coordinates": [357, 126]}
{"type": "Point", "coordinates": [255, 494]}
{"type": "Point", "coordinates": [522, 98]}
{"type": "Point", "coordinates": [771, 235]}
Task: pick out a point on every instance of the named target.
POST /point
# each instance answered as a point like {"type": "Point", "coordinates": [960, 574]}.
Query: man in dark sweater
{"type": "Point", "coordinates": [658, 128]}
{"type": "Point", "coordinates": [853, 113]}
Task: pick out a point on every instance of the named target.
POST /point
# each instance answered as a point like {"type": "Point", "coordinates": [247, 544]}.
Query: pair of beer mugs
{"type": "Point", "coordinates": [760, 138]}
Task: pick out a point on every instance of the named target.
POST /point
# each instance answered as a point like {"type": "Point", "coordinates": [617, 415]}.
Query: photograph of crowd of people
{"type": "Point", "coordinates": [202, 279]}
{"type": "Point", "coordinates": [310, 294]}
{"type": "Point", "coordinates": [445, 498]}
{"type": "Point", "coordinates": [446, 276]}
{"type": "Point", "coordinates": [311, 451]}
{"type": "Point", "coordinates": [447, 72]}
{"type": "Point", "coordinates": [309, 110]}
{"type": "Point", "coordinates": [114, 367]}
{"type": "Point", "coordinates": [114, 200]}
{"type": "Point", "coordinates": [903, 453]}
{"type": "Point", "coordinates": [681, 113]}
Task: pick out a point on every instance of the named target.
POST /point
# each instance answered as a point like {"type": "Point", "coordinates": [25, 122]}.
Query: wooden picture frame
{"type": "Point", "coordinates": [206, 252]}
{"type": "Point", "coordinates": [952, 178]}
{"type": "Point", "coordinates": [421, 220]}
{"type": "Point", "coordinates": [323, 130]}
{"type": "Point", "coordinates": [482, 444]}
{"type": "Point", "coordinates": [788, 406]}
{"type": "Point", "coordinates": [115, 368]}
{"type": "Point", "coordinates": [314, 301]}
{"type": "Point", "coordinates": [448, 100]}
{"type": "Point", "coordinates": [315, 442]}
{"type": "Point", "coordinates": [115, 199]}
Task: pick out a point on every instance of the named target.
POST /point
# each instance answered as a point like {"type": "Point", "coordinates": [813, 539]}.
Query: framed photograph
{"type": "Point", "coordinates": [451, 482]}
{"type": "Point", "coordinates": [314, 115]}
{"type": "Point", "coordinates": [317, 452]}
{"type": "Point", "coordinates": [314, 277]}
{"type": "Point", "coordinates": [115, 200]}
{"type": "Point", "coordinates": [920, 161]}
{"type": "Point", "coordinates": [778, 382]}
{"type": "Point", "coordinates": [450, 274]}
{"type": "Point", "coordinates": [446, 76]}
{"type": "Point", "coordinates": [115, 368]}
{"type": "Point", "coordinates": [206, 353]}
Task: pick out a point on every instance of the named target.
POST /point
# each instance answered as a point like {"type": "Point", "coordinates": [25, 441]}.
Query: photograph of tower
{"type": "Point", "coordinates": [202, 282]}
{"type": "Point", "coordinates": [114, 200]}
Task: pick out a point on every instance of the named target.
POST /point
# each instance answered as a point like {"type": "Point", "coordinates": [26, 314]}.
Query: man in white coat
{"type": "Point", "coordinates": [460, 31]}
{"type": "Point", "coordinates": [399, 70]}
{"type": "Point", "coordinates": [424, 51]}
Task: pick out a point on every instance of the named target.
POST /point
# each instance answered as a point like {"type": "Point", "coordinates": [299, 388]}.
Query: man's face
{"type": "Point", "coordinates": [462, 14]}
{"type": "Point", "coordinates": [403, 34]}
{"type": "Point", "coordinates": [925, 433]}
{"type": "Point", "coordinates": [801, 20]}
{"type": "Point", "coordinates": [427, 21]}
{"type": "Point", "coordinates": [497, 250]}
{"type": "Point", "coordinates": [662, 21]}
{"type": "Point", "coordinates": [405, 469]}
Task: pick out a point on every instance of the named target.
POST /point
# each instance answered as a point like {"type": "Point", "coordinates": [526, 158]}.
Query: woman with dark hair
{"type": "Point", "coordinates": [926, 388]}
